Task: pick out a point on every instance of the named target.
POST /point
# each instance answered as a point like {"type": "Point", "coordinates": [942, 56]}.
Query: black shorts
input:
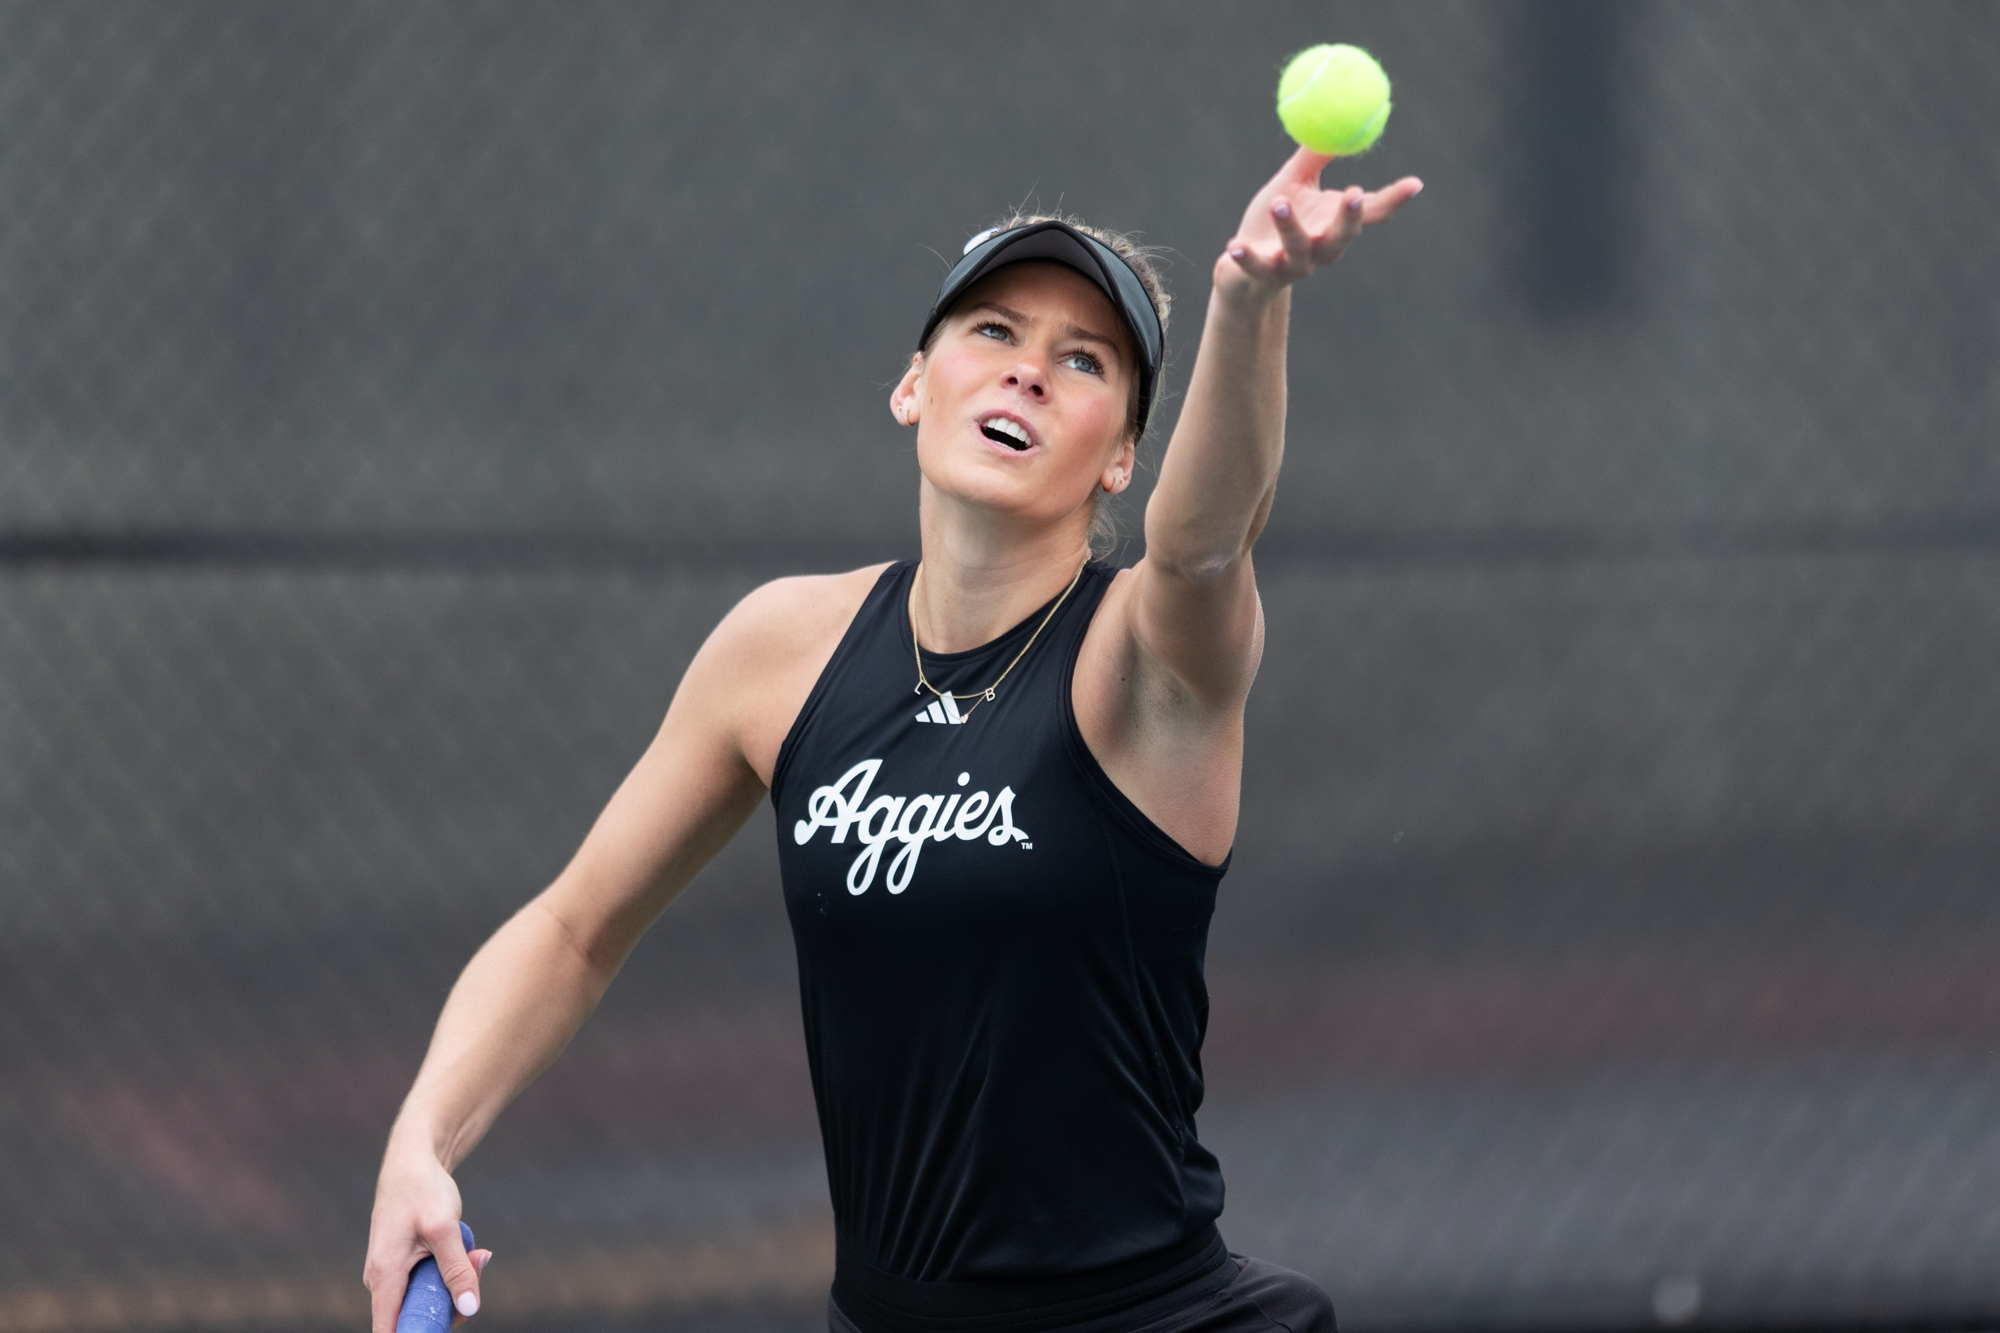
{"type": "Point", "coordinates": [1261, 1298]}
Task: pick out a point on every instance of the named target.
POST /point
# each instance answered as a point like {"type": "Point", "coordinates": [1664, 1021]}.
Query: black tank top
{"type": "Point", "coordinates": [1000, 960]}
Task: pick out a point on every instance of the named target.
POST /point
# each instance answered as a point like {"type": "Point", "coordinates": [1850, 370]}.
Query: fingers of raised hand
{"type": "Point", "coordinates": [1311, 228]}
{"type": "Point", "coordinates": [1296, 249]}
{"type": "Point", "coordinates": [1382, 204]}
{"type": "Point", "coordinates": [1297, 242]}
{"type": "Point", "coordinates": [1330, 222]}
{"type": "Point", "coordinates": [1346, 219]}
{"type": "Point", "coordinates": [1262, 263]}
{"type": "Point", "coordinates": [1304, 167]}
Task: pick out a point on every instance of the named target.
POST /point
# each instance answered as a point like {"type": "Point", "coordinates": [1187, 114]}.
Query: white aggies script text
{"type": "Point", "coordinates": [910, 820]}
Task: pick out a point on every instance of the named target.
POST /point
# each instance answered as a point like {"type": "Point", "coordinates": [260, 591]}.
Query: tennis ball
{"type": "Point", "coordinates": [1334, 99]}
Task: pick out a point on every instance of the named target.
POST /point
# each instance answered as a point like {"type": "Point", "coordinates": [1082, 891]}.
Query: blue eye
{"type": "Point", "coordinates": [997, 331]}
{"type": "Point", "coordinates": [1084, 362]}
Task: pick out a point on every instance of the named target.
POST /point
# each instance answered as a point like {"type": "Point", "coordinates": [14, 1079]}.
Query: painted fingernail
{"type": "Point", "coordinates": [468, 1303]}
{"type": "Point", "coordinates": [1237, 252]}
{"type": "Point", "coordinates": [1354, 203]}
{"type": "Point", "coordinates": [1282, 209]}
{"type": "Point", "coordinates": [484, 1260]}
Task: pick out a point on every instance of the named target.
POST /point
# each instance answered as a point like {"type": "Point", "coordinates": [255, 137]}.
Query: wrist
{"type": "Point", "coordinates": [1237, 292]}
{"type": "Point", "coordinates": [1241, 299]}
{"type": "Point", "coordinates": [415, 1139]}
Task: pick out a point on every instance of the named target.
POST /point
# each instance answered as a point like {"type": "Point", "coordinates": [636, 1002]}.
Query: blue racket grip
{"type": "Point", "coordinates": [427, 1306]}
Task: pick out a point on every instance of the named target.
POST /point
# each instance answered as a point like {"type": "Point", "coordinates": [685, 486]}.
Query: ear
{"type": "Point", "coordinates": [909, 392]}
{"type": "Point", "coordinates": [1117, 473]}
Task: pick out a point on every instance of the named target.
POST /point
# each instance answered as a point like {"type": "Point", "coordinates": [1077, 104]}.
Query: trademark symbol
{"type": "Point", "coordinates": [1027, 846]}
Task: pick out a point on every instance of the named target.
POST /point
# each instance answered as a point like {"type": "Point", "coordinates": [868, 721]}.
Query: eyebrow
{"type": "Point", "coordinates": [1069, 330]}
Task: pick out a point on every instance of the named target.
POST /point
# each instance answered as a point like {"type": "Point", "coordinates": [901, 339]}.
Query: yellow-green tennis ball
{"type": "Point", "coordinates": [1334, 99]}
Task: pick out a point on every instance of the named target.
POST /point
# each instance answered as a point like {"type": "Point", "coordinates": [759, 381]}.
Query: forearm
{"type": "Point", "coordinates": [531, 986]}
{"type": "Point", "coordinates": [514, 1008]}
{"type": "Point", "coordinates": [1221, 466]}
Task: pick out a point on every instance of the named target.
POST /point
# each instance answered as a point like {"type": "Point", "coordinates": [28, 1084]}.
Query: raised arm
{"type": "Point", "coordinates": [1195, 607]}
{"type": "Point", "coordinates": [531, 985]}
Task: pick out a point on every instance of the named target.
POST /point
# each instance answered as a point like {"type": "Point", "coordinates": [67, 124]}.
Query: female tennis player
{"type": "Point", "coordinates": [1006, 782]}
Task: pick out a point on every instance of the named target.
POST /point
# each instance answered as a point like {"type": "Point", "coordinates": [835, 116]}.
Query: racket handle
{"type": "Point", "coordinates": [427, 1306]}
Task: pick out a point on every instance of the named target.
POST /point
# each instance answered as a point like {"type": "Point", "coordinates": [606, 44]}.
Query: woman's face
{"type": "Point", "coordinates": [1023, 402]}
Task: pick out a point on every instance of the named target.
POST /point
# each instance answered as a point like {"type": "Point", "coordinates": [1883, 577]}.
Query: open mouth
{"type": "Point", "coordinates": [1000, 430]}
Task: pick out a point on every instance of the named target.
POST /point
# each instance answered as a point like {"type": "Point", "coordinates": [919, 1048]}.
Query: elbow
{"type": "Point", "coordinates": [1194, 561]}
{"type": "Point", "coordinates": [597, 954]}
{"type": "Point", "coordinates": [1196, 567]}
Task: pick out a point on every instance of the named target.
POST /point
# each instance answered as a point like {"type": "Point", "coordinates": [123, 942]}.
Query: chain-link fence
{"type": "Point", "coordinates": [394, 395]}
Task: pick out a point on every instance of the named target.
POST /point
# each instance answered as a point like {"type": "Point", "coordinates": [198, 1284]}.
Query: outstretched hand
{"type": "Point", "coordinates": [1293, 227]}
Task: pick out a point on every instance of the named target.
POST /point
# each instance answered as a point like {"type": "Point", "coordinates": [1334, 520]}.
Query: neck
{"type": "Point", "coordinates": [981, 575]}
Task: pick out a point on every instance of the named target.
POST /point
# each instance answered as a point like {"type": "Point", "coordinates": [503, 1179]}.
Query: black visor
{"type": "Point", "coordinates": [1063, 244]}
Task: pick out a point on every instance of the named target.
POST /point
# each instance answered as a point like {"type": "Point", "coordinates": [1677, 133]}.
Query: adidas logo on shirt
{"type": "Point", "coordinates": [942, 710]}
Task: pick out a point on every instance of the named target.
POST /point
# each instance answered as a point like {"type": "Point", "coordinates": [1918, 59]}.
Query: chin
{"type": "Point", "coordinates": [1016, 496]}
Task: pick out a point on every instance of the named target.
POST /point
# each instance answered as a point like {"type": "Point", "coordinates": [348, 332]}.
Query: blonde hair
{"type": "Point", "coordinates": [1144, 261]}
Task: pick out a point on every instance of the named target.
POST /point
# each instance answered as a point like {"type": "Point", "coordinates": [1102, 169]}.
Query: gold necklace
{"type": "Point", "coordinates": [985, 695]}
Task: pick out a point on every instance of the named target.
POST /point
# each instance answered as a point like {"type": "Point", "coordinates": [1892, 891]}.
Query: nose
{"type": "Point", "coordinates": [1031, 378]}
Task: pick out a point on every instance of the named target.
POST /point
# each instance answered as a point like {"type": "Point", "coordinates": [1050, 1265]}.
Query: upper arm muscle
{"type": "Point", "coordinates": [1159, 694]}
{"type": "Point", "coordinates": [1206, 633]}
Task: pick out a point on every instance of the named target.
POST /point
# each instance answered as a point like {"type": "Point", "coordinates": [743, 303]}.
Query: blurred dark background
{"type": "Point", "coordinates": [392, 395]}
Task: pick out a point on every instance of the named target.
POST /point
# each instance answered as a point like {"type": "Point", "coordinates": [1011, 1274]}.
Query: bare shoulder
{"type": "Point", "coordinates": [762, 660]}
{"type": "Point", "coordinates": [788, 615]}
